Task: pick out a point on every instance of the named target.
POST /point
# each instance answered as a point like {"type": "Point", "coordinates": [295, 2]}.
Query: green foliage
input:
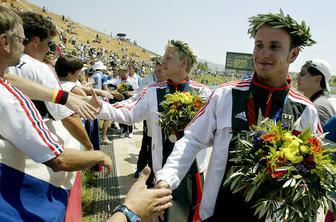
{"type": "Point", "coordinates": [283, 175]}
{"type": "Point", "coordinates": [179, 109]}
{"type": "Point", "coordinates": [300, 33]}
{"type": "Point", "coordinates": [202, 66]}
{"type": "Point", "coordinates": [123, 88]}
{"type": "Point", "coordinates": [184, 48]}
{"type": "Point", "coordinates": [156, 59]}
{"type": "Point", "coordinates": [89, 181]}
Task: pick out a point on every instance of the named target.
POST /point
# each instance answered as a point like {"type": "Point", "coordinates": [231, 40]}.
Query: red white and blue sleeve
{"type": "Point", "coordinates": [22, 125]}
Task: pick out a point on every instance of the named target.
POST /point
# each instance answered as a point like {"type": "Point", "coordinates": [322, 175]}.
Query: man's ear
{"type": "Point", "coordinates": [293, 54]}
{"type": "Point", "coordinates": [184, 63]}
{"type": "Point", "coordinates": [4, 42]}
{"type": "Point", "coordinates": [34, 41]}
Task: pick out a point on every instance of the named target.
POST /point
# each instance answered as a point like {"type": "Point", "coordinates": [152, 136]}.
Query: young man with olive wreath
{"type": "Point", "coordinates": [235, 106]}
{"type": "Point", "coordinates": [177, 63]}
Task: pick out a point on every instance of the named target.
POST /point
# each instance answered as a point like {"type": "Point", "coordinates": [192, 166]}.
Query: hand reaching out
{"type": "Point", "coordinates": [146, 202]}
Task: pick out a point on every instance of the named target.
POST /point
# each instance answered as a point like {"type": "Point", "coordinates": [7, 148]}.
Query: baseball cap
{"type": "Point", "coordinates": [324, 69]}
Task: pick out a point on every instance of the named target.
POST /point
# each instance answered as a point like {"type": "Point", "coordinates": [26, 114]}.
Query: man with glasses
{"type": "Point", "coordinates": [31, 191]}
{"type": "Point", "coordinates": [313, 81]}
{"type": "Point", "coordinates": [39, 32]}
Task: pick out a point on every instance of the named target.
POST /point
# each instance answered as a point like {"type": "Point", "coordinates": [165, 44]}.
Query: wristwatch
{"type": "Point", "coordinates": [131, 217]}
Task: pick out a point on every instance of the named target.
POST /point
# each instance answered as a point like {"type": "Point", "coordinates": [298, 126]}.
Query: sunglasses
{"type": "Point", "coordinates": [302, 73]}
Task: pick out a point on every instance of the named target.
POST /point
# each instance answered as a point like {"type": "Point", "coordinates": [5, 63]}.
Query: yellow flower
{"type": "Point", "coordinates": [304, 149]}
{"type": "Point", "coordinates": [185, 98]}
{"type": "Point", "coordinates": [288, 137]}
{"type": "Point", "coordinates": [292, 157]}
{"type": "Point", "coordinates": [294, 145]}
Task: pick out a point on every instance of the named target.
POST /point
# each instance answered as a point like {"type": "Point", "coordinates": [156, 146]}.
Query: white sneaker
{"type": "Point", "coordinates": [122, 135]}
{"type": "Point", "coordinates": [130, 135]}
{"type": "Point", "coordinates": [106, 141]}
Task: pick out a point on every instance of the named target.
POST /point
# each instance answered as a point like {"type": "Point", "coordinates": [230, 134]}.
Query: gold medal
{"type": "Point", "coordinates": [172, 138]}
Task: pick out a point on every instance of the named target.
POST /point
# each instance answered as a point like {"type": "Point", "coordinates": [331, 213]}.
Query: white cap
{"type": "Point", "coordinates": [99, 66]}
{"type": "Point", "coordinates": [323, 67]}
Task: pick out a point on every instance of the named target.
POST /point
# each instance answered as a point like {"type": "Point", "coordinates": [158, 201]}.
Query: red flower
{"type": "Point", "coordinates": [316, 147]}
{"type": "Point", "coordinates": [198, 103]}
{"type": "Point", "coordinates": [269, 137]}
{"type": "Point", "coordinates": [276, 173]}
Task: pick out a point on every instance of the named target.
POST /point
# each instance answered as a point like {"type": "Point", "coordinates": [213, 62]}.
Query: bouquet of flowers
{"type": "Point", "coordinates": [123, 89]}
{"type": "Point", "coordinates": [179, 109]}
{"type": "Point", "coordinates": [285, 174]}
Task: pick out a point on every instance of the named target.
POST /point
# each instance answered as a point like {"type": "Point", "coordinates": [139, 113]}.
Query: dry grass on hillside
{"type": "Point", "coordinates": [84, 33]}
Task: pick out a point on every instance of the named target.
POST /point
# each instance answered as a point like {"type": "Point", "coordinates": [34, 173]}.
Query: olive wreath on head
{"type": "Point", "coordinates": [184, 48]}
{"type": "Point", "coordinates": [156, 59]}
{"type": "Point", "coordinates": [300, 33]}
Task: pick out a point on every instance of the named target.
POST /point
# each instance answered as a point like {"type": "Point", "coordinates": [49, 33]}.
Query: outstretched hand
{"type": "Point", "coordinates": [94, 101]}
{"type": "Point", "coordinates": [81, 107]}
{"type": "Point", "coordinates": [107, 164]}
{"type": "Point", "coordinates": [146, 202]}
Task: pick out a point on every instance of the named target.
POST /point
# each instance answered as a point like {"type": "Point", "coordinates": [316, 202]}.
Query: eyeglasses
{"type": "Point", "coordinates": [24, 40]}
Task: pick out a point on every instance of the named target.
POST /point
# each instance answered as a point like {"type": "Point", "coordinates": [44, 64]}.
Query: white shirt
{"type": "Point", "coordinates": [43, 74]}
{"type": "Point", "coordinates": [147, 81]}
{"type": "Point", "coordinates": [68, 85]}
{"type": "Point", "coordinates": [22, 125]}
{"type": "Point", "coordinates": [146, 107]}
{"type": "Point", "coordinates": [129, 81]}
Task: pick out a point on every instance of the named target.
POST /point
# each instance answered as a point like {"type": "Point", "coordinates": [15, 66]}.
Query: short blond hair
{"type": "Point", "coordinates": [184, 52]}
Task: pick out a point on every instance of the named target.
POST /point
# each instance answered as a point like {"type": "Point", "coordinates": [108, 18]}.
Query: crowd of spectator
{"type": "Point", "coordinates": [84, 71]}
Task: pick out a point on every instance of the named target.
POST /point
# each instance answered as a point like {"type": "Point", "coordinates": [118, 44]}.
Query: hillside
{"type": "Point", "coordinates": [85, 34]}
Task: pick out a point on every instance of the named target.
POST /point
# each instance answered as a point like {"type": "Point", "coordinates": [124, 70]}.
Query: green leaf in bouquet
{"type": "Point", "coordinates": [234, 160]}
{"type": "Point", "coordinates": [325, 203]}
{"type": "Point", "coordinates": [239, 188]}
{"type": "Point", "coordinates": [231, 176]}
{"type": "Point", "coordinates": [291, 183]}
{"type": "Point", "coordinates": [246, 143]}
{"type": "Point", "coordinates": [234, 182]}
{"type": "Point", "coordinates": [255, 168]}
{"type": "Point", "coordinates": [298, 194]}
{"type": "Point", "coordinates": [297, 176]}
{"type": "Point", "coordinates": [261, 208]}
{"type": "Point", "coordinates": [251, 191]}
{"type": "Point", "coordinates": [283, 168]}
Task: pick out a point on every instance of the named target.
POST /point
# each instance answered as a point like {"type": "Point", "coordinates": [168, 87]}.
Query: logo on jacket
{"type": "Point", "coordinates": [242, 116]}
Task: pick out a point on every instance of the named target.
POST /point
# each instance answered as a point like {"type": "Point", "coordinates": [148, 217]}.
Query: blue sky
{"type": "Point", "coordinates": [211, 27]}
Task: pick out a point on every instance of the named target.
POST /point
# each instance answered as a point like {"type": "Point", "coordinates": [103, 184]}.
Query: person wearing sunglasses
{"type": "Point", "coordinates": [313, 83]}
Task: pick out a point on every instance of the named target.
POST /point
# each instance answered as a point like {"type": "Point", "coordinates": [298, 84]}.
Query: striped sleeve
{"type": "Point", "coordinates": [23, 126]}
{"type": "Point", "coordinates": [310, 113]}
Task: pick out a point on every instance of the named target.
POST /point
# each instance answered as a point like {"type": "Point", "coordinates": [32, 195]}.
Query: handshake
{"type": "Point", "coordinates": [141, 202]}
